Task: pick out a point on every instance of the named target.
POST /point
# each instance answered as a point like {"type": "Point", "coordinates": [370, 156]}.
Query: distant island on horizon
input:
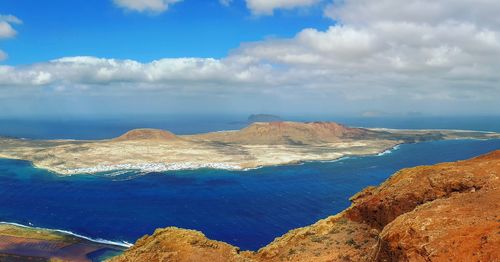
{"type": "Point", "coordinates": [264, 118]}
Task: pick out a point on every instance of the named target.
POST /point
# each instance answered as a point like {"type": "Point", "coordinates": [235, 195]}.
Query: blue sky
{"type": "Point", "coordinates": [60, 28]}
{"type": "Point", "coordinates": [317, 57]}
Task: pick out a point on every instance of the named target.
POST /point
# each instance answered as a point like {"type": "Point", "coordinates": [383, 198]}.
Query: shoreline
{"type": "Point", "coordinates": [147, 168]}
{"type": "Point", "coordinates": [428, 129]}
{"type": "Point", "coordinates": [256, 146]}
{"type": "Point", "coordinates": [123, 244]}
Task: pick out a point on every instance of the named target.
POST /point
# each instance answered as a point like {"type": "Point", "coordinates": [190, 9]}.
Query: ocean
{"type": "Point", "coordinates": [110, 127]}
{"type": "Point", "coordinates": [245, 208]}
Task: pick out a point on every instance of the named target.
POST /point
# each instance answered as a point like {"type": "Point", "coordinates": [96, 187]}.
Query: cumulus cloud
{"type": "Point", "coordinates": [3, 55]}
{"type": "Point", "coordinates": [364, 12]}
{"type": "Point", "coordinates": [425, 49]}
{"type": "Point", "coordinates": [7, 31]}
{"type": "Point", "coordinates": [92, 71]}
{"type": "Point", "coordinates": [378, 54]}
{"type": "Point", "coordinates": [154, 6]}
{"type": "Point", "coordinates": [267, 7]}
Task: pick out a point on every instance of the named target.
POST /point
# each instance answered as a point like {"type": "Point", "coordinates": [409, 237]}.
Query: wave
{"type": "Point", "coordinates": [122, 172]}
{"type": "Point", "coordinates": [151, 167]}
{"type": "Point", "coordinates": [388, 151]}
{"type": "Point", "coordinates": [95, 240]}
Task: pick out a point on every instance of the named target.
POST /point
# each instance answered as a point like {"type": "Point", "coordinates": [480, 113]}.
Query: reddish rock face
{"type": "Point", "coordinates": [174, 244]}
{"type": "Point", "coordinates": [458, 218]}
{"type": "Point", "coordinates": [445, 212]}
{"type": "Point", "coordinates": [274, 133]}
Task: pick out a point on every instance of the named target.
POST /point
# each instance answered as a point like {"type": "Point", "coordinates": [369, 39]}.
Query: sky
{"type": "Point", "coordinates": [317, 57]}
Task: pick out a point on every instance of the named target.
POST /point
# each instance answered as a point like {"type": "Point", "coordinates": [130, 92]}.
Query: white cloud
{"type": "Point", "coordinates": [429, 12]}
{"type": "Point", "coordinates": [267, 7]}
{"type": "Point", "coordinates": [92, 71]}
{"type": "Point", "coordinates": [380, 54]}
{"type": "Point", "coordinates": [10, 19]}
{"type": "Point", "coordinates": [225, 2]}
{"type": "Point", "coordinates": [7, 31]}
{"type": "Point", "coordinates": [3, 55]}
{"type": "Point", "coordinates": [154, 6]}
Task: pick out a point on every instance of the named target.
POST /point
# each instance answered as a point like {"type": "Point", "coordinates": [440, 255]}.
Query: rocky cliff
{"type": "Point", "coordinates": [445, 212]}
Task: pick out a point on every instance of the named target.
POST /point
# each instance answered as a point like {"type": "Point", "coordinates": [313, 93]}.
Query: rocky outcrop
{"type": "Point", "coordinates": [146, 134]}
{"type": "Point", "coordinates": [445, 212]}
{"type": "Point", "coordinates": [174, 244]}
{"type": "Point", "coordinates": [289, 133]}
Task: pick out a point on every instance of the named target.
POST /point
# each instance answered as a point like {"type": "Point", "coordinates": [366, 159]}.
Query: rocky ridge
{"type": "Point", "coordinates": [292, 133]}
{"type": "Point", "coordinates": [445, 212]}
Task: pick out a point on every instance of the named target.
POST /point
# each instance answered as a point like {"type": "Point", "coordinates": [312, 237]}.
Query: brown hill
{"type": "Point", "coordinates": [146, 134]}
{"type": "Point", "coordinates": [275, 133]}
{"type": "Point", "coordinates": [445, 212]}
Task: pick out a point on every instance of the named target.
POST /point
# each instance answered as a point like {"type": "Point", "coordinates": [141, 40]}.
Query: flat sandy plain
{"type": "Point", "coordinates": [258, 145]}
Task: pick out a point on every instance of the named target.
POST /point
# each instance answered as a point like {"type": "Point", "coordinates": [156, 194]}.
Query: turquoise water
{"type": "Point", "coordinates": [248, 208]}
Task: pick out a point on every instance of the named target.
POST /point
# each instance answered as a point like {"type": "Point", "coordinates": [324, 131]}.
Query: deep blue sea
{"type": "Point", "coordinates": [245, 208]}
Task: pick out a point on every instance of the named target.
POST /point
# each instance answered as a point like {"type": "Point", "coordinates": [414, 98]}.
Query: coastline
{"type": "Point", "coordinates": [427, 129]}
{"type": "Point", "coordinates": [385, 158]}
{"type": "Point", "coordinates": [390, 150]}
{"type": "Point", "coordinates": [258, 145]}
{"type": "Point", "coordinates": [123, 244]}
{"type": "Point", "coordinates": [19, 242]}
{"type": "Point", "coordinates": [414, 208]}
{"type": "Point", "coordinates": [166, 167]}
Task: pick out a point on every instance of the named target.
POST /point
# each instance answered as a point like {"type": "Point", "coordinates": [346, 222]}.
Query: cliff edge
{"type": "Point", "coordinates": [445, 212]}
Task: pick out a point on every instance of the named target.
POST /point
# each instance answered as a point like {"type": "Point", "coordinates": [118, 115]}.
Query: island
{"type": "Point", "coordinates": [258, 145]}
{"type": "Point", "coordinates": [445, 212]}
{"type": "Point", "coordinates": [263, 118]}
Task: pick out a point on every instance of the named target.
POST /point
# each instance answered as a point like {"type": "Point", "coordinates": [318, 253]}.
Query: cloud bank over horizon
{"type": "Point", "coordinates": [420, 55]}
